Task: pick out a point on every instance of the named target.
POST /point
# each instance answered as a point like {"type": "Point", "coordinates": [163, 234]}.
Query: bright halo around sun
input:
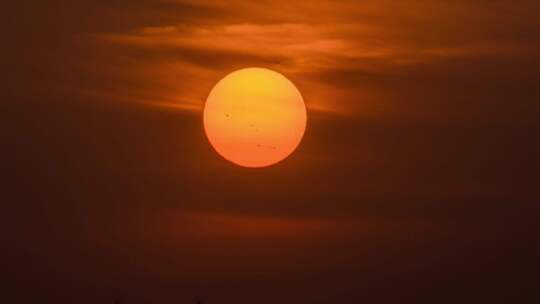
{"type": "Point", "coordinates": [255, 117]}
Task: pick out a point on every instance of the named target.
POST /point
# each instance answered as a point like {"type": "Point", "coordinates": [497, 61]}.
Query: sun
{"type": "Point", "coordinates": [255, 117]}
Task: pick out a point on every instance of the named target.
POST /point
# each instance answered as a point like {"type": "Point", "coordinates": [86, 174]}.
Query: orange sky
{"type": "Point", "coordinates": [347, 57]}
{"type": "Point", "coordinates": [416, 179]}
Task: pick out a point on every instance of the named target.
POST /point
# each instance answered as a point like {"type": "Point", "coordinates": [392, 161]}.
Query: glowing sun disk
{"type": "Point", "coordinates": [255, 117]}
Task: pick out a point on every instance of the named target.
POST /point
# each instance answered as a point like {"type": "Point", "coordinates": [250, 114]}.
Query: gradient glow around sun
{"type": "Point", "coordinates": [255, 117]}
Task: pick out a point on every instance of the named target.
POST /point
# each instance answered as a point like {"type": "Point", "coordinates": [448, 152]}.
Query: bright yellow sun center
{"type": "Point", "coordinates": [255, 117]}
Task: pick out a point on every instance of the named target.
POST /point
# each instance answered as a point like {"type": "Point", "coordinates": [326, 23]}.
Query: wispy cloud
{"type": "Point", "coordinates": [342, 55]}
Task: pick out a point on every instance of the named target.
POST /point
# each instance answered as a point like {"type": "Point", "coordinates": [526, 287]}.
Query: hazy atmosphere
{"type": "Point", "coordinates": [416, 179]}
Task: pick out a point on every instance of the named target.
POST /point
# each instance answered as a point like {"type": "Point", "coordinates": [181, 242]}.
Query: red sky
{"type": "Point", "coordinates": [416, 180]}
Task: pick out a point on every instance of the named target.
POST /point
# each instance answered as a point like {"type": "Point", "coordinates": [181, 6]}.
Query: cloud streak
{"type": "Point", "coordinates": [377, 40]}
